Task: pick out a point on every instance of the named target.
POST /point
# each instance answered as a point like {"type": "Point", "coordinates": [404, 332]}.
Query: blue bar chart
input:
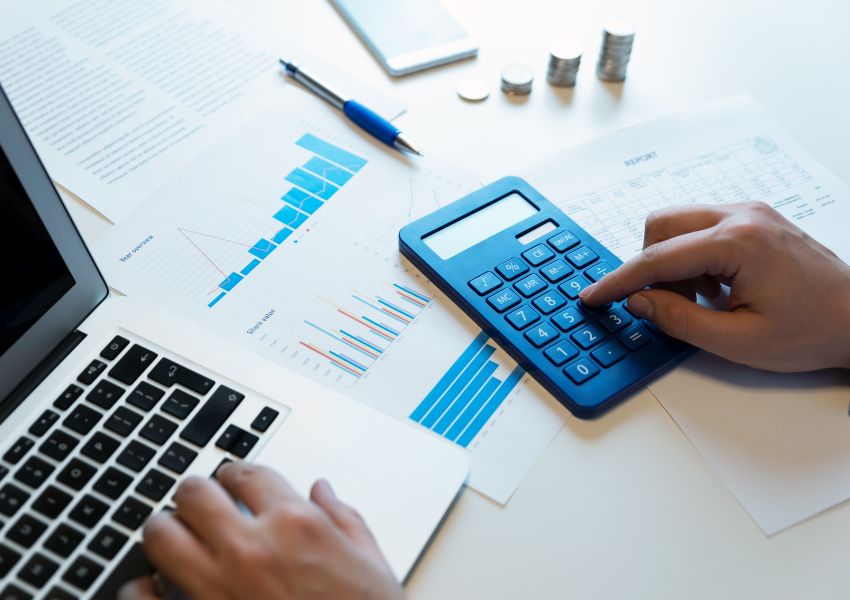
{"type": "Point", "coordinates": [314, 184]}
{"type": "Point", "coordinates": [467, 395]}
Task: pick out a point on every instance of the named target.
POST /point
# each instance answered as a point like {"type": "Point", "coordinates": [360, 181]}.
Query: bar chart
{"type": "Point", "coordinates": [314, 183]}
{"type": "Point", "coordinates": [468, 395]}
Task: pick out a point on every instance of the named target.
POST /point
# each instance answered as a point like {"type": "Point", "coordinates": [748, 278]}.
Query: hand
{"type": "Point", "coordinates": [788, 307]}
{"type": "Point", "coordinates": [291, 548]}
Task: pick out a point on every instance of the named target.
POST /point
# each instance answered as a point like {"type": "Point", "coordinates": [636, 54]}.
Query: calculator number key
{"type": "Point", "coordinates": [581, 370]}
{"type": "Point", "coordinates": [549, 302]}
{"type": "Point", "coordinates": [485, 283]}
{"type": "Point", "coordinates": [615, 320]}
{"type": "Point", "coordinates": [588, 337]}
{"type": "Point", "coordinates": [581, 257]}
{"type": "Point", "coordinates": [598, 271]}
{"type": "Point", "coordinates": [608, 354]}
{"type": "Point", "coordinates": [511, 269]}
{"type": "Point", "coordinates": [522, 317]}
{"type": "Point", "coordinates": [573, 286]}
{"type": "Point", "coordinates": [538, 255]}
{"type": "Point", "coordinates": [634, 338]}
{"type": "Point", "coordinates": [563, 241]}
{"type": "Point", "coordinates": [556, 271]}
{"type": "Point", "coordinates": [560, 353]}
{"type": "Point", "coordinates": [542, 334]}
{"type": "Point", "coordinates": [531, 285]}
{"type": "Point", "coordinates": [502, 301]}
{"type": "Point", "coordinates": [568, 319]}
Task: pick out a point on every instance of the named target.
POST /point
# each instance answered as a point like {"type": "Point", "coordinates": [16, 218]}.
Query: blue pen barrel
{"type": "Point", "coordinates": [370, 121]}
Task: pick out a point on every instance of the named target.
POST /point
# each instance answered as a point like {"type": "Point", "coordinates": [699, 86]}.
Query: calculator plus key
{"type": "Point", "coordinates": [531, 285]}
{"type": "Point", "coordinates": [563, 241]}
{"type": "Point", "coordinates": [573, 286]}
{"type": "Point", "coordinates": [581, 257]}
{"type": "Point", "coordinates": [485, 283]}
{"type": "Point", "coordinates": [568, 319]}
{"type": "Point", "coordinates": [588, 337]}
{"type": "Point", "coordinates": [549, 302]}
{"type": "Point", "coordinates": [598, 271]}
{"type": "Point", "coordinates": [538, 255]}
{"type": "Point", "coordinates": [502, 301]}
{"type": "Point", "coordinates": [522, 317]}
{"type": "Point", "coordinates": [511, 269]}
{"type": "Point", "coordinates": [556, 271]}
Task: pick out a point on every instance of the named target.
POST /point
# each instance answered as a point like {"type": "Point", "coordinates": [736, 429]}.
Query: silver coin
{"type": "Point", "coordinates": [473, 90]}
{"type": "Point", "coordinates": [564, 50]}
{"type": "Point", "coordinates": [619, 27]}
{"type": "Point", "coordinates": [517, 79]}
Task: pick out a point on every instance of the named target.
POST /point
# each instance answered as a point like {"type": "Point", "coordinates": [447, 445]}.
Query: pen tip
{"type": "Point", "coordinates": [403, 143]}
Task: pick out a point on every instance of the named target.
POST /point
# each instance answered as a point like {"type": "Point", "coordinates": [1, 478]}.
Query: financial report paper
{"type": "Point", "coordinates": [283, 239]}
{"type": "Point", "coordinates": [781, 443]}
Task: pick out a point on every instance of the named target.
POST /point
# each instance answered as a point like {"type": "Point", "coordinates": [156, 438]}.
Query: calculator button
{"type": "Point", "coordinates": [598, 271]}
{"type": "Point", "coordinates": [572, 287]}
{"type": "Point", "coordinates": [504, 300]}
{"type": "Point", "coordinates": [615, 320]}
{"type": "Point", "coordinates": [511, 269]}
{"type": "Point", "coordinates": [592, 310]}
{"type": "Point", "coordinates": [538, 255]}
{"type": "Point", "coordinates": [542, 334]}
{"type": "Point", "coordinates": [563, 241]}
{"type": "Point", "coordinates": [608, 354]}
{"type": "Point", "coordinates": [485, 283]}
{"type": "Point", "coordinates": [568, 319]}
{"type": "Point", "coordinates": [634, 338]}
{"type": "Point", "coordinates": [556, 271]}
{"type": "Point", "coordinates": [522, 317]}
{"type": "Point", "coordinates": [581, 257]}
{"type": "Point", "coordinates": [581, 370]}
{"type": "Point", "coordinates": [531, 285]}
{"type": "Point", "coordinates": [549, 302]}
{"type": "Point", "coordinates": [560, 353]}
{"type": "Point", "coordinates": [588, 337]}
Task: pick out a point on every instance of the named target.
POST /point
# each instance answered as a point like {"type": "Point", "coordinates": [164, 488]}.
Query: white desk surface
{"type": "Point", "coordinates": [622, 507]}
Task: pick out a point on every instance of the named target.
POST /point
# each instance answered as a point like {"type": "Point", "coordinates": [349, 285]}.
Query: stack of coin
{"type": "Point", "coordinates": [517, 80]}
{"type": "Point", "coordinates": [564, 60]}
{"type": "Point", "coordinates": [617, 38]}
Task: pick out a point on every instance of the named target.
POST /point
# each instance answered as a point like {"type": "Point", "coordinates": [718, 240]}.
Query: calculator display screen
{"type": "Point", "coordinates": [480, 225]}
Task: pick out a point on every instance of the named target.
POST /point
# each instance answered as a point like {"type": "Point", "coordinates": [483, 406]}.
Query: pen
{"type": "Point", "coordinates": [368, 120]}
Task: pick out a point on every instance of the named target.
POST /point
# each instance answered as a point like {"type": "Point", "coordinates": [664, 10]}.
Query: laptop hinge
{"type": "Point", "coordinates": [38, 374]}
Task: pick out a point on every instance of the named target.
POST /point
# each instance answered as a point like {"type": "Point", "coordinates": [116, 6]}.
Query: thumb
{"type": "Point", "coordinates": [727, 334]}
{"type": "Point", "coordinates": [342, 515]}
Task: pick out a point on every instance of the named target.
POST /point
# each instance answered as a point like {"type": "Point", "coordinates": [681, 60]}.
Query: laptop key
{"type": "Point", "coordinates": [11, 499]}
{"type": "Point", "coordinates": [178, 457]}
{"type": "Point", "coordinates": [76, 474]}
{"type": "Point", "coordinates": [52, 502]}
{"type": "Point", "coordinates": [158, 429]}
{"type": "Point", "coordinates": [82, 573]}
{"type": "Point", "coordinates": [34, 472]}
{"type": "Point", "coordinates": [136, 456]}
{"type": "Point", "coordinates": [3, 472]}
{"type": "Point", "coordinates": [44, 423]}
{"type": "Point", "coordinates": [13, 592]}
{"type": "Point", "coordinates": [168, 373]}
{"type": "Point", "coordinates": [26, 531]}
{"type": "Point", "coordinates": [38, 570]}
{"type": "Point", "coordinates": [228, 438]}
{"type": "Point", "coordinates": [82, 419]}
{"type": "Point", "coordinates": [8, 559]}
{"type": "Point", "coordinates": [244, 444]}
{"type": "Point", "coordinates": [145, 396]}
{"type": "Point", "coordinates": [105, 394]}
{"type": "Point", "coordinates": [100, 447]}
{"type": "Point", "coordinates": [180, 404]}
{"type": "Point", "coordinates": [58, 445]}
{"type": "Point", "coordinates": [264, 419]}
{"type": "Point", "coordinates": [132, 364]}
{"type": "Point", "coordinates": [91, 372]}
{"type": "Point", "coordinates": [114, 348]}
{"type": "Point", "coordinates": [132, 565]}
{"type": "Point", "coordinates": [64, 540]}
{"type": "Point", "coordinates": [58, 593]}
{"type": "Point", "coordinates": [132, 513]}
{"type": "Point", "coordinates": [155, 485]}
{"type": "Point", "coordinates": [108, 542]}
{"type": "Point", "coordinates": [112, 483]}
{"type": "Point", "coordinates": [67, 398]}
{"type": "Point", "coordinates": [123, 421]}
{"type": "Point", "coordinates": [18, 451]}
{"type": "Point", "coordinates": [212, 416]}
{"type": "Point", "coordinates": [88, 511]}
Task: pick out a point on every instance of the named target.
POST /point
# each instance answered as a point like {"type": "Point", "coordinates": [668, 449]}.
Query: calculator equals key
{"type": "Point", "coordinates": [516, 264]}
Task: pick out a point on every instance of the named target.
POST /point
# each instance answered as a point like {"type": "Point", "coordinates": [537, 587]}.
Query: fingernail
{"type": "Point", "coordinates": [641, 306]}
{"type": "Point", "coordinates": [326, 486]}
{"type": "Point", "coordinates": [587, 291]}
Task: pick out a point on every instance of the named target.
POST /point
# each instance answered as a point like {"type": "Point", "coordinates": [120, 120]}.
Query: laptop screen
{"type": "Point", "coordinates": [33, 273]}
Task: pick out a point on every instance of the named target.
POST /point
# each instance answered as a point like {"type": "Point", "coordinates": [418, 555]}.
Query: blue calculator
{"type": "Point", "coordinates": [515, 264]}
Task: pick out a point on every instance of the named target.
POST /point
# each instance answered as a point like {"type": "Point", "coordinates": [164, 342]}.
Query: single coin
{"type": "Point", "coordinates": [517, 79]}
{"type": "Point", "coordinates": [473, 90]}
{"type": "Point", "coordinates": [619, 27]}
{"type": "Point", "coordinates": [565, 49]}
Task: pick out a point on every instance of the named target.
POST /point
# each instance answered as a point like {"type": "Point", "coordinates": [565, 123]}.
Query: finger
{"type": "Point", "coordinates": [687, 289]}
{"type": "Point", "coordinates": [678, 220]}
{"type": "Point", "coordinates": [345, 517]}
{"type": "Point", "coordinates": [260, 488]}
{"type": "Point", "coordinates": [684, 257]}
{"type": "Point", "coordinates": [707, 286]}
{"type": "Point", "coordinates": [726, 334]}
{"type": "Point", "coordinates": [178, 554]}
{"type": "Point", "coordinates": [209, 511]}
{"type": "Point", "coordinates": [139, 589]}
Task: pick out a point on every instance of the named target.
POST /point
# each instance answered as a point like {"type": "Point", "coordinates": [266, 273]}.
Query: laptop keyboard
{"type": "Point", "coordinates": [112, 448]}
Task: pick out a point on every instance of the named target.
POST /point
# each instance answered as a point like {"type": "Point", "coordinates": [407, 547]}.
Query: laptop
{"type": "Point", "coordinates": [107, 404]}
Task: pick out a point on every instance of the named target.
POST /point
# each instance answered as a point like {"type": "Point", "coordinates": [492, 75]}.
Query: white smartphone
{"type": "Point", "coordinates": [407, 35]}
